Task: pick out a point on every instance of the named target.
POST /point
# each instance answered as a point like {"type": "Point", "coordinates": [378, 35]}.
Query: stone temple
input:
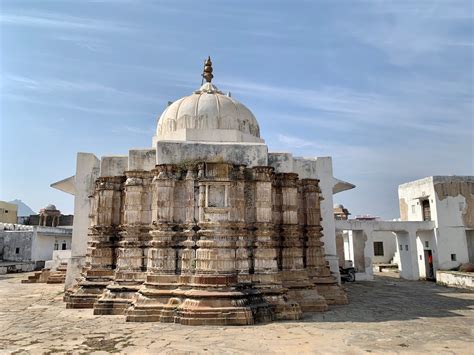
{"type": "Point", "coordinates": [207, 227]}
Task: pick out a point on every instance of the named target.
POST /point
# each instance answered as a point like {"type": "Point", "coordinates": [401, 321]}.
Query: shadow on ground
{"type": "Point", "coordinates": [389, 299]}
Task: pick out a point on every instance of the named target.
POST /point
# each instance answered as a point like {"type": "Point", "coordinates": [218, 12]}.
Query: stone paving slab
{"type": "Point", "coordinates": [388, 316]}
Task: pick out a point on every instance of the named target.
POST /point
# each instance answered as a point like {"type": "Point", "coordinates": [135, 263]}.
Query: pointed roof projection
{"type": "Point", "coordinates": [341, 185]}
{"type": "Point", "coordinates": [67, 185]}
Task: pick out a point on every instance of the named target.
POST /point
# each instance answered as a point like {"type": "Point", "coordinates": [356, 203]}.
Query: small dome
{"type": "Point", "coordinates": [50, 207]}
{"type": "Point", "coordinates": [208, 115]}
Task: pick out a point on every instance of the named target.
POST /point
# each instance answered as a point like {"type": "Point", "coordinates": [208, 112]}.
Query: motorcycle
{"type": "Point", "coordinates": [347, 274]}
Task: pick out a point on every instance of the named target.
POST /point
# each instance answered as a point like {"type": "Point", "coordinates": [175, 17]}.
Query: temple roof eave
{"type": "Point", "coordinates": [67, 185]}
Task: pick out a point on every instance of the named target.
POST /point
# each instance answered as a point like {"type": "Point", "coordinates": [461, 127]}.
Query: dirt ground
{"type": "Point", "coordinates": [386, 316]}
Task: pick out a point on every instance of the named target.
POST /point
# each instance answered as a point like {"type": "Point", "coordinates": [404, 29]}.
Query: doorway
{"type": "Point", "coordinates": [429, 265]}
{"type": "Point", "coordinates": [426, 210]}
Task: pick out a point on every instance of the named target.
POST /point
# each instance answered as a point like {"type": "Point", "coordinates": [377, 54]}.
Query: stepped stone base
{"type": "Point", "coordinates": [89, 290]}
{"type": "Point", "coordinates": [199, 300]}
{"type": "Point", "coordinates": [115, 299]}
{"type": "Point", "coordinates": [48, 276]}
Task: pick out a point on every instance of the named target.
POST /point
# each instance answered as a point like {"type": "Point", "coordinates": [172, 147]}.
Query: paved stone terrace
{"type": "Point", "coordinates": [385, 316]}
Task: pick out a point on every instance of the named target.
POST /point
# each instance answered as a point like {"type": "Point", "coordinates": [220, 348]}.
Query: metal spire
{"type": "Point", "coordinates": [207, 74]}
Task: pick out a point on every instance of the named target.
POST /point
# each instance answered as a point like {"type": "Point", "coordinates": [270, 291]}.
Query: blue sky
{"type": "Point", "coordinates": [384, 87]}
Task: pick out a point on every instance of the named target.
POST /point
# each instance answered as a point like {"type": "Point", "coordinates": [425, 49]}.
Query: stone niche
{"type": "Point", "coordinates": [206, 243]}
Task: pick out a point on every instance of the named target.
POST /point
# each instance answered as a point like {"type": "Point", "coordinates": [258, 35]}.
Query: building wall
{"type": "Point", "coordinates": [8, 212]}
{"type": "Point", "coordinates": [44, 245]}
{"type": "Point", "coordinates": [17, 239]}
{"type": "Point", "coordinates": [389, 246]}
{"type": "Point", "coordinates": [426, 241]}
{"type": "Point", "coordinates": [410, 195]}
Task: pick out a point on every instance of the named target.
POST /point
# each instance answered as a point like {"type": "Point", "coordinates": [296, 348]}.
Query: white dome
{"type": "Point", "coordinates": [208, 116]}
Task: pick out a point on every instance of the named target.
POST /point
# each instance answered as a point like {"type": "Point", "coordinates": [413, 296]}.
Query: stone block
{"type": "Point", "coordinates": [141, 159]}
{"type": "Point", "coordinates": [249, 154]}
{"type": "Point", "coordinates": [113, 165]}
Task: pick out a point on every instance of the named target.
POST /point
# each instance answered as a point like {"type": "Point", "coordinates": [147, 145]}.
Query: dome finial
{"type": "Point", "coordinates": [207, 74]}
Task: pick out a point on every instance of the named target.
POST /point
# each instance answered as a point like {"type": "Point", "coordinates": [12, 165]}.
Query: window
{"type": "Point", "coordinates": [56, 246]}
{"type": "Point", "coordinates": [406, 247]}
{"type": "Point", "coordinates": [453, 257]}
{"type": "Point", "coordinates": [63, 246]}
{"type": "Point", "coordinates": [6, 211]}
{"type": "Point", "coordinates": [378, 248]}
{"type": "Point", "coordinates": [17, 251]}
{"type": "Point", "coordinates": [427, 244]}
{"type": "Point", "coordinates": [401, 247]}
{"type": "Point", "coordinates": [412, 208]}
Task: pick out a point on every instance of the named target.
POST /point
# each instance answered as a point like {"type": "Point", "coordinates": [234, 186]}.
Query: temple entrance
{"type": "Point", "coordinates": [429, 265]}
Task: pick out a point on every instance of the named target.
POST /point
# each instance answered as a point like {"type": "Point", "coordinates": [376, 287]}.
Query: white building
{"type": "Point", "coordinates": [32, 244]}
{"type": "Point", "coordinates": [435, 231]}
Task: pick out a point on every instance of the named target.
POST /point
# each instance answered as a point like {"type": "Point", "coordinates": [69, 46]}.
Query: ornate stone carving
{"type": "Point", "coordinates": [224, 244]}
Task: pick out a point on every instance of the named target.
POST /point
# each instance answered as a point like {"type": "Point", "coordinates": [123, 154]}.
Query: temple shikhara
{"type": "Point", "coordinates": [206, 227]}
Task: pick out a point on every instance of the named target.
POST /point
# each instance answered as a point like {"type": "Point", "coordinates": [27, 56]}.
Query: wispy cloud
{"type": "Point", "coordinates": [92, 44]}
{"type": "Point", "coordinates": [61, 21]}
{"type": "Point", "coordinates": [74, 106]}
{"type": "Point", "coordinates": [428, 110]}
{"type": "Point", "coordinates": [52, 85]}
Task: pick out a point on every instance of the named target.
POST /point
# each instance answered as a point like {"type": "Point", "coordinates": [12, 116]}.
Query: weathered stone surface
{"type": "Point", "coordinates": [206, 243]}
{"type": "Point", "coordinates": [249, 154]}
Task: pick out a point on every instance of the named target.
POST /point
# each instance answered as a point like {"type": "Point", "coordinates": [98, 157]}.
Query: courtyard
{"type": "Point", "coordinates": [387, 315]}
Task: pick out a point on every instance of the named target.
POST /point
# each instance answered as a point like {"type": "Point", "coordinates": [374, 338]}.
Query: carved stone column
{"type": "Point", "coordinates": [316, 265]}
{"type": "Point", "coordinates": [129, 274]}
{"type": "Point", "coordinates": [101, 253]}
{"type": "Point", "coordinates": [266, 252]}
{"type": "Point", "coordinates": [155, 300]}
{"type": "Point", "coordinates": [294, 276]}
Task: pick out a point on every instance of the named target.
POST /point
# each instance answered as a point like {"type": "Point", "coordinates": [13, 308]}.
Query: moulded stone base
{"type": "Point", "coordinates": [302, 290]}
{"type": "Point", "coordinates": [86, 292]}
{"type": "Point", "coordinates": [115, 299]}
{"type": "Point", "coordinates": [199, 300]}
{"type": "Point", "coordinates": [333, 293]}
{"type": "Point", "coordinates": [275, 295]}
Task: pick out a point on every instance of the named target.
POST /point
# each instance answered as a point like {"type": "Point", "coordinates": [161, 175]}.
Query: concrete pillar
{"type": "Point", "coordinates": [325, 174]}
{"type": "Point", "coordinates": [87, 171]}
{"type": "Point", "coordinates": [406, 243]}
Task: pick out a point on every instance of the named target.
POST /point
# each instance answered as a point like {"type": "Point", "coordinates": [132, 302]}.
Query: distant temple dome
{"type": "Point", "coordinates": [208, 115]}
{"type": "Point", "coordinates": [50, 207]}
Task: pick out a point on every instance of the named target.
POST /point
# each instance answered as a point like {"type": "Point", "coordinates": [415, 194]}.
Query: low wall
{"type": "Point", "coordinates": [12, 267]}
{"type": "Point", "coordinates": [59, 256]}
{"type": "Point", "coordinates": [455, 279]}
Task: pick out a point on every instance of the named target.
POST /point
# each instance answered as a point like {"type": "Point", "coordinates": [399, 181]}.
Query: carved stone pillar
{"type": "Point", "coordinates": [101, 253]}
{"type": "Point", "coordinates": [266, 251]}
{"type": "Point", "coordinates": [292, 253]}
{"type": "Point", "coordinates": [316, 265]}
{"type": "Point", "coordinates": [129, 273]}
{"type": "Point", "coordinates": [155, 300]}
{"type": "Point", "coordinates": [294, 276]}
